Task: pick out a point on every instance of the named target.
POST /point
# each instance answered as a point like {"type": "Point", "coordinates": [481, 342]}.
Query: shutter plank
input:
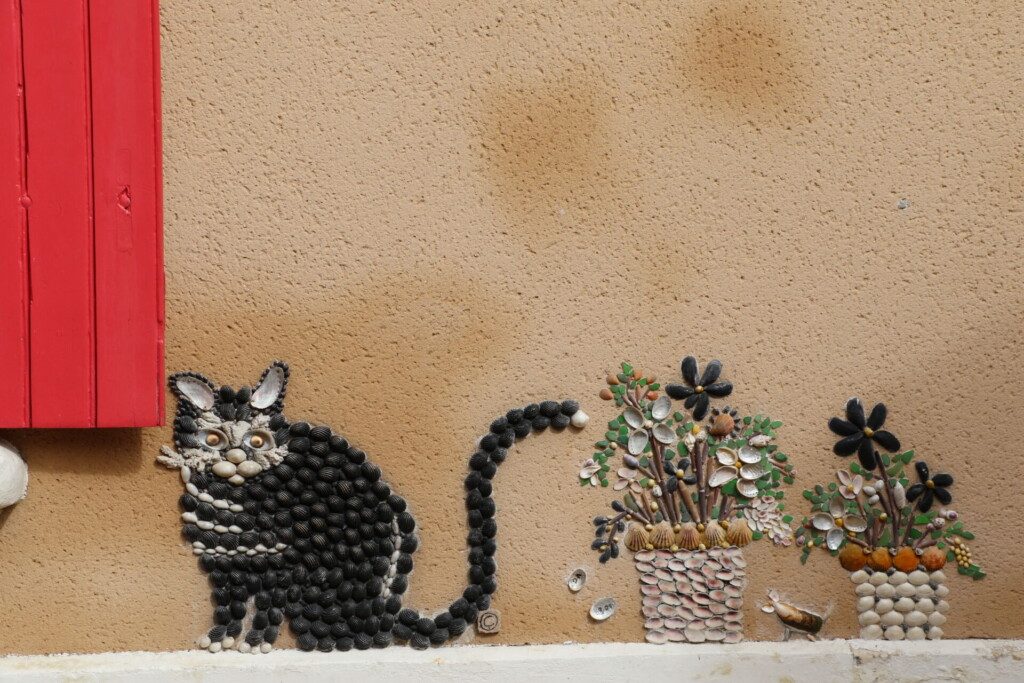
{"type": "Point", "coordinates": [62, 356]}
{"type": "Point", "coordinates": [14, 404]}
{"type": "Point", "coordinates": [124, 37]}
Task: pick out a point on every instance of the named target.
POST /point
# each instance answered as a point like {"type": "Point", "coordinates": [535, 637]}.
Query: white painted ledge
{"type": "Point", "coordinates": [987, 661]}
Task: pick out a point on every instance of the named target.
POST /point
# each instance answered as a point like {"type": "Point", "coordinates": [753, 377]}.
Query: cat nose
{"type": "Point", "coordinates": [235, 455]}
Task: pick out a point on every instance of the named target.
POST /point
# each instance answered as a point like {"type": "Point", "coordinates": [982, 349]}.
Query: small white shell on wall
{"type": "Point", "coordinates": [13, 475]}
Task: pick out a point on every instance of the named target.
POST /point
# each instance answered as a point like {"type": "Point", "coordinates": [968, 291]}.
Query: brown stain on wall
{"type": "Point", "coordinates": [545, 148]}
{"type": "Point", "coordinates": [748, 59]}
{"type": "Point", "coordinates": [350, 189]}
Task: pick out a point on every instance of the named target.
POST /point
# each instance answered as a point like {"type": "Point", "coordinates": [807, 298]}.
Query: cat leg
{"type": "Point", "coordinates": [256, 638]}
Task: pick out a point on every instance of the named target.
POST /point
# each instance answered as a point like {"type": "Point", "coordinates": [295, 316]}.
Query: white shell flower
{"type": "Point", "coordinates": [745, 465]}
{"type": "Point", "coordinates": [850, 485]}
{"type": "Point", "coordinates": [590, 471]}
{"type": "Point", "coordinates": [836, 522]}
{"type": "Point", "coordinates": [628, 478]}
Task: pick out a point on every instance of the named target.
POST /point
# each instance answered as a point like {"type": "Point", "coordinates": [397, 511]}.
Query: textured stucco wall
{"type": "Point", "coordinates": [437, 211]}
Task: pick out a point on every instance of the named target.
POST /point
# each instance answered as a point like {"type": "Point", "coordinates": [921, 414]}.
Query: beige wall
{"type": "Point", "coordinates": [436, 211]}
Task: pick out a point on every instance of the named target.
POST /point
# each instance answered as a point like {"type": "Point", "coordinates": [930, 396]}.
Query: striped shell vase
{"type": "Point", "coordinates": [692, 596]}
{"type": "Point", "coordinates": [895, 605]}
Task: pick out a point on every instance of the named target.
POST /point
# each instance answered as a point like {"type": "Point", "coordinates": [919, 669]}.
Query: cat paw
{"type": "Point", "coordinates": [204, 643]}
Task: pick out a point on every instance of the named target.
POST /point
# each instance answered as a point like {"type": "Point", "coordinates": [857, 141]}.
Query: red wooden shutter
{"type": "Point", "coordinates": [81, 179]}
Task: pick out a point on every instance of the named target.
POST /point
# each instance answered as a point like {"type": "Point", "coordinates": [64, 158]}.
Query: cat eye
{"type": "Point", "coordinates": [214, 438]}
{"type": "Point", "coordinates": [259, 441]}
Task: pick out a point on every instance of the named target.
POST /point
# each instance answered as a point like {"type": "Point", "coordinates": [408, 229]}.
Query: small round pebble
{"type": "Point", "coordinates": [894, 633]}
{"type": "Point", "coordinates": [896, 578]}
{"type": "Point", "coordinates": [906, 590]}
{"type": "Point", "coordinates": [917, 578]}
{"type": "Point", "coordinates": [915, 618]}
{"type": "Point", "coordinates": [886, 590]}
{"type": "Point", "coordinates": [865, 589]}
{"type": "Point", "coordinates": [872, 632]}
{"type": "Point", "coordinates": [892, 619]}
{"type": "Point", "coordinates": [915, 633]}
{"type": "Point", "coordinates": [868, 618]}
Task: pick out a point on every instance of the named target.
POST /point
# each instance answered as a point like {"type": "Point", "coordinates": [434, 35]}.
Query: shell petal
{"type": "Point", "coordinates": [722, 475]}
{"type": "Point", "coordinates": [753, 471]}
{"type": "Point", "coordinates": [822, 521]}
{"type": "Point", "coordinates": [637, 442]}
{"type": "Point", "coordinates": [661, 408]}
{"type": "Point", "coordinates": [747, 488]}
{"type": "Point", "coordinates": [634, 418]}
{"type": "Point", "coordinates": [664, 434]}
{"type": "Point", "coordinates": [749, 455]}
{"type": "Point", "coordinates": [726, 456]}
{"type": "Point", "coordinates": [834, 538]}
{"type": "Point", "coordinates": [855, 523]}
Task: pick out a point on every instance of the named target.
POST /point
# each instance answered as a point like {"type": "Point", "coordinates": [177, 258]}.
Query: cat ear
{"type": "Point", "coordinates": [194, 388]}
{"type": "Point", "coordinates": [270, 390]}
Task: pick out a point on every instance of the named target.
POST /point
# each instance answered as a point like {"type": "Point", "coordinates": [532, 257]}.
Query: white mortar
{"type": "Point", "coordinates": [990, 661]}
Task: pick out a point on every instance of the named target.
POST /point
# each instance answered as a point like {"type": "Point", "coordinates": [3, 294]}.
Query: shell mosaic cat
{"type": "Point", "coordinates": [291, 522]}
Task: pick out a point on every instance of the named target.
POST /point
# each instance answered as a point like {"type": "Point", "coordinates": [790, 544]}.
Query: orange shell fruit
{"type": "Point", "coordinates": [933, 559]}
{"type": "Point", "coordinates": [905, 560]}
{"type": "Point", "coordinates": [852, 557]}
{"type": "Point", "coordinates": [880, 560]}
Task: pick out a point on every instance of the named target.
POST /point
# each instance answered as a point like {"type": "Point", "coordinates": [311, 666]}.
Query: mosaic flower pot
{"type": "Point", "coordinates": [692, 596]}
{"type": "Point", "coordinates": [894, 605]}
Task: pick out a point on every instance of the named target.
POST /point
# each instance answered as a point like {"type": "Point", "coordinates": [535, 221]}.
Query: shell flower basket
{"type": "Point", "coordinates": [697, 484]}
{"type": "Point", "coordinates": [887, 530]}
{"type": "Point", "coordinates": [692, 596]}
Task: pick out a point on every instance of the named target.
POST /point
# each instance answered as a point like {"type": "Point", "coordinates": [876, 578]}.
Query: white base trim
{"type": "Point", "coordinates": [990, 661]}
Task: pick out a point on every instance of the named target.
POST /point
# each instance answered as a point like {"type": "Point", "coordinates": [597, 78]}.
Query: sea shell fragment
{"type": "Point", "coordinates": [603, 609]}
{"type": "Point", "coordinates": [13, 475]}
{"type": "Point", "coordinates": [577, 580]}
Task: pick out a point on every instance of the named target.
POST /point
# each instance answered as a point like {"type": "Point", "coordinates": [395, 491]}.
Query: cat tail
{"type": "Point", "coordinates": [492, 449]}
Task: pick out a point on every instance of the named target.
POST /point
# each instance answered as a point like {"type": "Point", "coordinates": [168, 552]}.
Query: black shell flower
{"type": "Point", "coordinates": [696, 392]}
{"type": "Point", "coordinates": [929, 488]}
{"type": "Point", "coordinates": [858, 433]}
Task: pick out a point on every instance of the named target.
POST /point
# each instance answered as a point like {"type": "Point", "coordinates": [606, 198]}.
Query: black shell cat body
{"type": "Point", "coordinates": [292, 522]}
